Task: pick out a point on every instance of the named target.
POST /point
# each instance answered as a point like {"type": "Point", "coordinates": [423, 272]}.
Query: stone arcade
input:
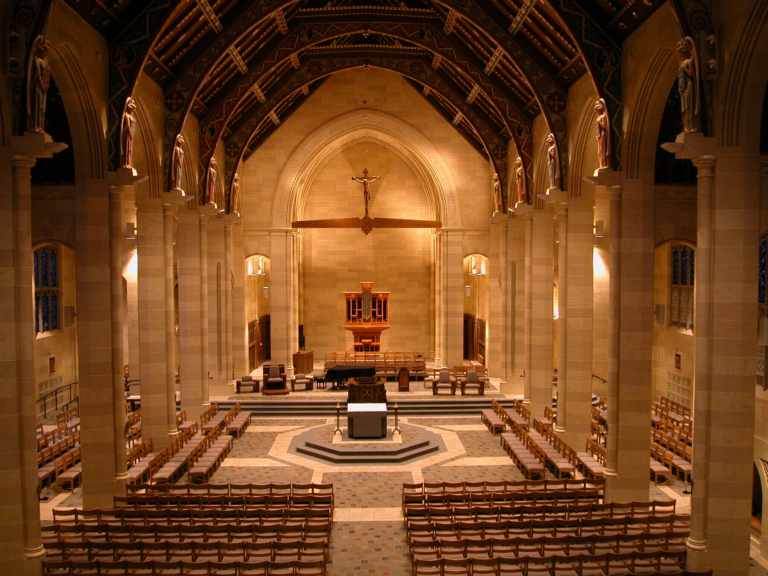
{"type": "Point", "coordinates": [528, 238]}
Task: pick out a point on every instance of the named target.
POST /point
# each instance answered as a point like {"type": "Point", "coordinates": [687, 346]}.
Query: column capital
{"type": "Point", "coordinates": [606, 177]}
{"type": "Point", "coordinates": [33, 145]}
{"type": "Point", "coordinates": [705, 164]}
{"type": "Point", "coordinates": [124, 177]}
{"type": "Point", "coordinates": [691, 145]}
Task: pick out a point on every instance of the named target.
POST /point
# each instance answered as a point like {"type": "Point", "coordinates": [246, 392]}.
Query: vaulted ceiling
{"type": "Point", "coordinates": [243, 66]}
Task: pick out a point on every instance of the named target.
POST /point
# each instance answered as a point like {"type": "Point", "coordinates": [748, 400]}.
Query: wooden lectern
{"type": "Point", "coordinates": [367, 317]}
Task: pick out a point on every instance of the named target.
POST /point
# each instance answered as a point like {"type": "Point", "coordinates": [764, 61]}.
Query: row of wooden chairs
{"type": "Point", "coordinates": [541, 545]}
{"type": "Point", "coordinates": [242, 532]}
{"type": "Point", "coordinates": [533, 528]}
{"type": "Point", "coordinates": [145, 515]}
{"type": "Point", "coordinates": [232, 492]}
{"type": "Point", "coordinates": [61, 445]}
{"type": "Point", "coordinates": [544, 512]}
{"type": "Point", "coordinates": [663, 562]}
{"type": "Point", "coordinates": [295, 568]}
{"type": "Point", "coordinates": [667, 403]}
{"type": "Point", "coordinates": [515, 445]}
{"type": "Point", "coordinates": [45, 439]}
{"type": "Point", "coordinates": [50, 472]}
{"type": "Point", "coordinates": [210, 460]}
{"type": "Point", "coordinates": [195, 551]}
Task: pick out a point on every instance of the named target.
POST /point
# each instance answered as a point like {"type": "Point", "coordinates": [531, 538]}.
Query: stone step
{"type": "Point", "coordinates": [343, 451]}
{"type": "Point", "coordinates": [384, 457]}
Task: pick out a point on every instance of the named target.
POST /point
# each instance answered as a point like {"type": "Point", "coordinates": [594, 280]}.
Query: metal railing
{"type": "Point", "coordinates": [61, 398]}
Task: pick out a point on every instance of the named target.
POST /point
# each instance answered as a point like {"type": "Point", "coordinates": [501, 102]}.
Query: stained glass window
{"type": "Point", "coordinates": [46, 274]}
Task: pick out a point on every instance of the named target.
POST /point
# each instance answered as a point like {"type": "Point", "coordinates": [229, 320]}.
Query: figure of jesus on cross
{"type": "Point", "coordinates": [365, 179]}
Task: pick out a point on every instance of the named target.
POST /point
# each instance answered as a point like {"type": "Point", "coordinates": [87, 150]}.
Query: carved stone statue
{"type": "Point", "coordinates": [688, 79]}
{"type": "Point", "coordinates": [127, 133]}
{"type": "Point", "coordinates": [521, 196]}
{"type": "Point", "coordinates": [496, 193]}
{"type": "Point", "coordinates": [177, 163]}
{"type": "Point", "coordinates": [210, 183]}
{"type": "Point", "coordinates": [37, 89]}
{"type": "Point", "coordinates": [553, 163]}
{"type": "Point", "coordinates": [603, 134]}
{"type": "Point", "coordinates": [235, 195]}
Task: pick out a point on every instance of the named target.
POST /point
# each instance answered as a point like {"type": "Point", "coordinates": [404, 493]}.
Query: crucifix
{"type": "Point", "coordinates": [366, 223]}
{"type": "Point", "coordinates": [365, 180]}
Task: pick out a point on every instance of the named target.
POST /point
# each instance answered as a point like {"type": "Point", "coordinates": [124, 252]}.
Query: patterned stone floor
{"type": "Point", "coordinates": [368, 535]}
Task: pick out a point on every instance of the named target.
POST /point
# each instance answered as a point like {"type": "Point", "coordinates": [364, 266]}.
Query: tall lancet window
{"type": "Point", "coordinates": [47, 299]}
{"type": "Point", "coordinates": [681, 293]}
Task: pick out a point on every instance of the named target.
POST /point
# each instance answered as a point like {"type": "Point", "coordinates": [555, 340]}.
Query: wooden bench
{"type": "Point", "coordinates": [238, 425]}
{"type": "Point", "coordinates": [531, 467]}
{"type": "Point", "coordinates": [658, 470]}
{"type": "Point", "coordinates": [70, 477]}
{"type": "Point", "coordinates": [492, 421]}
{"type": "Point", "coordinates": [210, 460]}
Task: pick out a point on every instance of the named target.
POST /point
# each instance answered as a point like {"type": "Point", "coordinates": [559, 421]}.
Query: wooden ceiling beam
{"type": "Point", "coordinates": [309, 32]}
{"type": "Point", "coordinates": [404, 63]}
{"type": "Point", "coordinates": [210, 15]}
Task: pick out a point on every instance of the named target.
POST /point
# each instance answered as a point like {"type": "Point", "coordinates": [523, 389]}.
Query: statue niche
{"type": "Point", "coordinates": [38, 83]}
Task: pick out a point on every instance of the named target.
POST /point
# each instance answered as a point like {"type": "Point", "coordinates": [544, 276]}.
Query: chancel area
{"type": "Point", "coordinates": [386, 287]}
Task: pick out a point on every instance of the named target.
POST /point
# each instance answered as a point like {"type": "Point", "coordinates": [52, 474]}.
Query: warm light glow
{"type": "Point", "coordinates": [599, 268]}
{"type": "Point", "coordinates": [555, 303]}
{"type": "Point", "coordinates": [132, 268]}
{"type": "Point", "coordinates": [256, 265]}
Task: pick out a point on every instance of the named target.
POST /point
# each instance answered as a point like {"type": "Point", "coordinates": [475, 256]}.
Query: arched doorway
{"type": "Point", "coordinates": [258, 279]}
{"type": "Point", "coordinates": [476, 300]}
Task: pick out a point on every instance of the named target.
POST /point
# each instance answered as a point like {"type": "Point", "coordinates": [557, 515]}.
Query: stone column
{"type": "Point", "coordinates": [633, 404]}
{"type": "Point", "coordinates": [228, 359]}
{"type": "Point", "coordinates": [614, 340]}
{"type": "Point", "coordinates": [576, 276]}
{"type": "Point", "coordinates": [281, 251]}
{"type": "Point", "coordinates": [215, 259]}
{"type": "Point", "coordinates": [561, 217]}
{"type": "Point", "coordinates": [496, 347]}
{"type": "Point", "coordinates": [153, 368]}
{"type": "Point", "coordinates": [453, 286]}
{"type": "Point", "coordinates": [239, 344]}
{"type": "Point", "coordinates": [21, 516]}
{"type": "Point", "coordinates": [193, 309]}
{"type": "Point", "coordinates": [117, 318]}
{"type": "Point", "coordinates": [169, 224]}
{"type": "Point", "coordinates": [540, 330]}
{"type": "Point", "coordinates": [726, 331]}
{"type": "Point", "coordinates": [439, 296]}
{"type": "Point", "coordinates": [519, 230]}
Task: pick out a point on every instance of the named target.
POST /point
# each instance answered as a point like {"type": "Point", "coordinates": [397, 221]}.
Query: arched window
{"type": "Point", "coordinates": [47, 291]}
{"type": "Point", "coordinates": [681, 289]}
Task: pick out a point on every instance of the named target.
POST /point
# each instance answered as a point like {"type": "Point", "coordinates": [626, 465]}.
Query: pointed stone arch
{"type": "Point", "coordinates": [405, 140]}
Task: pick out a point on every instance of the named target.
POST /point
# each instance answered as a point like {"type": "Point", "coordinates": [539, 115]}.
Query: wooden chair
{"type": "Point", "coordinates": [403, 380]}
{"type": "Point", "coordinates": [444, 381]}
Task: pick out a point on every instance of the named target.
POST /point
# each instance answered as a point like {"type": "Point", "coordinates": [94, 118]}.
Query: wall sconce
{"type": "Point", "coordinates": [467, 290]}
{"type": "Point", "coordinates": [256, 266]}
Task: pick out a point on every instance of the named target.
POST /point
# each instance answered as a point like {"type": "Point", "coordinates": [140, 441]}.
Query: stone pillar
{"type": "Point", "coordinates": [281, 251]}
{"type": "Point", "coordinates": [117, 318]}
{"type": "Point", "coordinates": [540, 330]}
{"type": "Point", "coordinates": [239, 344]}
{"type": "Point", "coordinates": [519, 230]}
{"type": "Point", "coordinates": [193, 309]}
{"type": "Point", "coordinates": [439, 296]}
{"type": "Point", "coordinates": [633, 404]}
{"type": "Point", "coordinates": [576, 276]}
{"type": "Point", "coordinates": [215, 301]}
{"type": "Point", "coordinates": [561, 217]}
{"type": "Point", "coordinates": [20, 543]}
{"type": "Point", "coordinates": [169, 224]}
{"type": "Point", "coordinates": [726, 331]}
{"type": "Point", "coordinates": [496, 347]}
{"type": "Point", "coordinates": [228, 358]}
{"type": "Point", "coordinates": [614, 330]}
{"type": "Point", "coordinates": [453, 286]}
{"type": "Point", "coordinates": [153, 368]}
